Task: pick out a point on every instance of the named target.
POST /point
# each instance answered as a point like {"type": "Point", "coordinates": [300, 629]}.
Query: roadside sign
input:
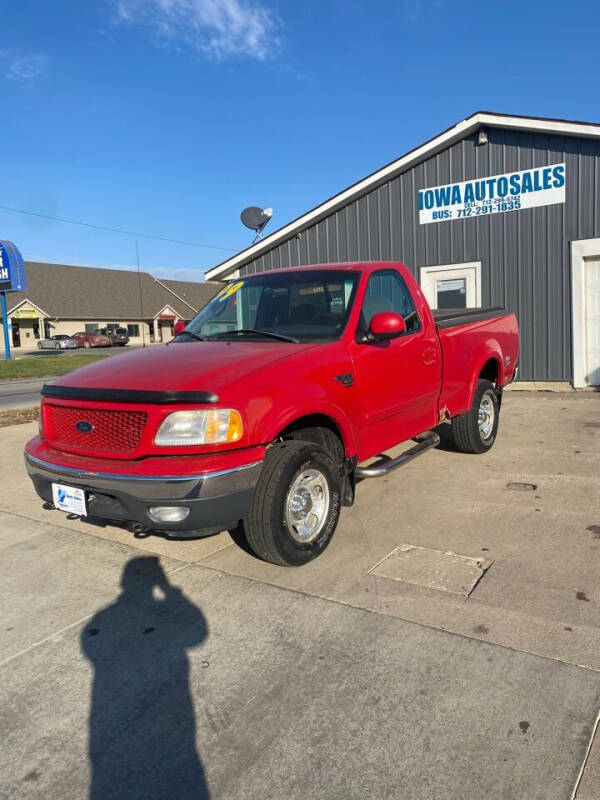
{"type": "Point", "coordinates": [12, 279]}
{"type": "Point", "coordinates": [12, 269]}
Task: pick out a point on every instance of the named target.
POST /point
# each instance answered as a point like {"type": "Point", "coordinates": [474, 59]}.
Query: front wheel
{"type": "Point", "coordinates": [87, 344]}
{"type": "Point", "coordinates": [475, 431]}
{"type": "Point", "coordinates": [296, 505]}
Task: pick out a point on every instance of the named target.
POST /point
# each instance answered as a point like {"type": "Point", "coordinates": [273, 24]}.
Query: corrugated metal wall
{"type": "Point", "coordinates": [525, 255]}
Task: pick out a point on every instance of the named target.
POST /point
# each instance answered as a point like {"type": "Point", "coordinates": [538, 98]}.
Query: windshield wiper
{"type": "Point", "coordinates": [279, 336]}
{"type": "Point", "coordinates": [193, 335]}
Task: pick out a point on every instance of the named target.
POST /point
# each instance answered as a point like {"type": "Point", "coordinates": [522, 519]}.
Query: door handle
{"type": "Point", "coordinates": [429, 355]}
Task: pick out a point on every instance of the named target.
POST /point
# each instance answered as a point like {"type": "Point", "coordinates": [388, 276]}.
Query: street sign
{"type": "Point", "coordinates": [12, 279]}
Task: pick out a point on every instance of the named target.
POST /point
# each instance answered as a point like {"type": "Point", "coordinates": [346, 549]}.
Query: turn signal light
{"type": "Point", "coordinates": [206, 426]}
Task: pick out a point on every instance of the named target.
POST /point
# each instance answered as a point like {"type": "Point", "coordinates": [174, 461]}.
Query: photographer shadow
{"type": "Point", "coordinates": [142, 738]}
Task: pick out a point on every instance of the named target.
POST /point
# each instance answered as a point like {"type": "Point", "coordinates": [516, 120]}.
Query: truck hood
{"type": "Point", "coordinates": [183, 366]}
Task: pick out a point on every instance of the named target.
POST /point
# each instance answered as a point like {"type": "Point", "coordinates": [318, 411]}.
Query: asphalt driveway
{"type": "Point", "coordinates": [148, 668]}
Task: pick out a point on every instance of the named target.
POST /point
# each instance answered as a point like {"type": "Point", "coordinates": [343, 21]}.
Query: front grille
{"type": "Point", "coordinates": [109, 431]}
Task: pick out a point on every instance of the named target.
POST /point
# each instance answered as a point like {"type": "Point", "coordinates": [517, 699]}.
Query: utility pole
{"type": "Point", "coordinates": [137, 258]}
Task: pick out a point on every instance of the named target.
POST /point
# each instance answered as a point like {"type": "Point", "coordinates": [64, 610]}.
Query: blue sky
{"type": "Point", "coordinates": [169, 116]}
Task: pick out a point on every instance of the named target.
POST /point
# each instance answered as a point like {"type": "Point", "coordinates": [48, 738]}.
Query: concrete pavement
{"type": "Point", "coordinates": [324, 681]}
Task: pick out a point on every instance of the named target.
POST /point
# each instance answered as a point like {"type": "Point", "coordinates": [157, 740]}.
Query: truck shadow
{"type": "Point", "coordinates": [142, 727]}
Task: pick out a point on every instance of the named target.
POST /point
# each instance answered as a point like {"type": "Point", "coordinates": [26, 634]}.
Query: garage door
{"type": "Point", "coordinates": [592, 307]}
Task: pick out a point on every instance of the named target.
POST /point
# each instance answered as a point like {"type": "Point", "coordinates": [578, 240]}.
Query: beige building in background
{"type": "Point", "coordinates": [64, 299]}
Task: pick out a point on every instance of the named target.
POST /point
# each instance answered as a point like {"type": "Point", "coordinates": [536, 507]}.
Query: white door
{"type": "Point", "coordinates": [592, 320]}
{"type": "Point", "coordinates": [452, 285]}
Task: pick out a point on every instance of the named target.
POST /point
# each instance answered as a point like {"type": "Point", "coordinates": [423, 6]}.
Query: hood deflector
{"type": "Point", "coordinates": [127, 395]}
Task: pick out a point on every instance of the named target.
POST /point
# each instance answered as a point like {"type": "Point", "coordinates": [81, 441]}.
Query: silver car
{"type": "Point", "coordinates": [58, 342]}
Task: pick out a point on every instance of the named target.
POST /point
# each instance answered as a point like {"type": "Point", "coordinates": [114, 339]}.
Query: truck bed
{"type": "Point", "coordinates": [448, 317]}
{"type": "Point", "coordinates": [464, 334]}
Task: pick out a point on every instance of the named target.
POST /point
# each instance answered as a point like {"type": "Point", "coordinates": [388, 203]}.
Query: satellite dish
{"type": "Point", "coordinates": [256, 218]}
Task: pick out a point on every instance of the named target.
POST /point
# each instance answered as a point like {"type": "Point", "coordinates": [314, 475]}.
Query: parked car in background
{"type": "Point", "coordinates": [118, 336]}
{"type": "Point", "coordinates": [94, 339]}
{"type": "Point", "coordinates": [59, 342]}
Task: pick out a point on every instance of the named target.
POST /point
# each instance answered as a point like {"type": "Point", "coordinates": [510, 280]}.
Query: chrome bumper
{"type": "Point", "coordinates": [152, 487]}
{"type": "Point", "coordinates": [215, 499]}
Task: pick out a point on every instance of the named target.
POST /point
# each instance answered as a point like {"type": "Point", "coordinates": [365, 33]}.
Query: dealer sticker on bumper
{"type": "Point", "coordinates": [69, 498]}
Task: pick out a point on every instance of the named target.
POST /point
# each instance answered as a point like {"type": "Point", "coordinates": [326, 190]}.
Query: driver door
{"type": "Point", "coordinates": [398, 380]}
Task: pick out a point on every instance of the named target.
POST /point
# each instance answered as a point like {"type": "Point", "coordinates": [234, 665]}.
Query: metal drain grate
{"type": "Point", "coordinates": [522, 487]}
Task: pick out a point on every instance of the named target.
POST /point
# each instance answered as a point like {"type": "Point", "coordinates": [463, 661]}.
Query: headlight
{"type": "Point", "coordinates": [210, 426]}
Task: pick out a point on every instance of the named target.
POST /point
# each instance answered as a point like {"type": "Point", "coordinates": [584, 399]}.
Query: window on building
{"type": "Point", "coordinates": [133, 330]}
{"type": "Point", "coordinates": [451, 293]}
{"type": "Point", "coordinates": [90, 327]}
{"type": "Point", "coordinates": [452, 285]}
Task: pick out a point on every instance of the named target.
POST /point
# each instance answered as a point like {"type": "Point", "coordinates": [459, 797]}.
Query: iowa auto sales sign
{"type": "Point", "coordinates": [541, 186]}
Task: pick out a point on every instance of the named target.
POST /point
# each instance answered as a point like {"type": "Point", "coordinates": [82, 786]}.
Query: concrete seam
{"type": "Point", "coordinates": [393, 616]}
{"type": "Point", "coordinates": [69, 626]}
{"type": "Point", "coordinates": [199, 563]}
{"type": "Point", "coordinates": [585, 758]}
{"type": "Point", "coordinates": [46, 638]}
{"type": "Point", "coordinates": [85, 533]}
{"type": "Point", "coordinates": [110, 541]}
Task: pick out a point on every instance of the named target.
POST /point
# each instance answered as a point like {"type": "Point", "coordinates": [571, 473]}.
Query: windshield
{"type": "Point", "coordinates": [302, 306]}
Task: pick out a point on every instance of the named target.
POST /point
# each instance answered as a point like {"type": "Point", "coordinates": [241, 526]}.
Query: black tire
{"type": "Point", "coordinates": [466, 431]}
{"type": "Point", "coordinates": [331, 442]}
{"type": "Point", "coordinates": [57, 346]}
{"type": "Point", "coordinates": [266, 525]}
{"type": "Point", "coordinates": [87, 344]}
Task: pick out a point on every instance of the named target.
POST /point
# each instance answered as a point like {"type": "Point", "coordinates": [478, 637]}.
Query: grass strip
{"type": "Point", "coordinates": [44, 366]}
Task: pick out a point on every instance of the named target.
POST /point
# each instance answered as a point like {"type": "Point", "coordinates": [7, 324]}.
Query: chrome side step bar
{"type": "Point", "coordinates": [385, 464]}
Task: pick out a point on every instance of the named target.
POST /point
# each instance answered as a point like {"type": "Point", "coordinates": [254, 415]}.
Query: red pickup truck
{"type": "Point", "coordinates": [271, 405]}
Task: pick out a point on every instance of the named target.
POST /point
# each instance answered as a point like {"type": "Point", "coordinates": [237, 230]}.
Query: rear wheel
{"type": "Point", "coordinates": [39, 345]}
{"type": "Point", "coordinates": [87, 344]}
{"type": "Point", "coordinates": [57, 346]}
{"type": "Point", "coordinates": [475, 431]}
{"type": "Point", "coordinates": [296, 506]}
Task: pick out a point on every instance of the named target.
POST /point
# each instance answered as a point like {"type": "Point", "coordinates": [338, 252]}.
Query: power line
{"type": "Point", "coordinates": [118, 230]}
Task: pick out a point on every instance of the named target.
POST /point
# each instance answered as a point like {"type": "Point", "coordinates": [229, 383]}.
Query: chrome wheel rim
{"type": "Point", "coordinates": [307, 505]}
{"type": "Point", "coordinates": [486, 416]}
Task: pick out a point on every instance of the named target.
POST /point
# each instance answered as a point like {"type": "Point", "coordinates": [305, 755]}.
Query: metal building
{"type": "Point", "coordinates": [495, 211]}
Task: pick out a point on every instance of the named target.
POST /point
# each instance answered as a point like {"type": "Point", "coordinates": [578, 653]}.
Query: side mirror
{"type": "Point", "coordinates": [386, 325]}
{"type": "Point", "coordinates": [179, 327]}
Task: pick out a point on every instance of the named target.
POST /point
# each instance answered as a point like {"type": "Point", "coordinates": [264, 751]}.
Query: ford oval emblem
{"type": "Point", "coordinates": [84, 426]}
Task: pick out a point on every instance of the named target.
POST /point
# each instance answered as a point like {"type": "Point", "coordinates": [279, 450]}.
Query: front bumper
{"type": "Point", "coordinates": [217, 500]}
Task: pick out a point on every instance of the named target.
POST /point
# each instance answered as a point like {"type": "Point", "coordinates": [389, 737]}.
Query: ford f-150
{"type": "Point", "coordinates": [287, 388]}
